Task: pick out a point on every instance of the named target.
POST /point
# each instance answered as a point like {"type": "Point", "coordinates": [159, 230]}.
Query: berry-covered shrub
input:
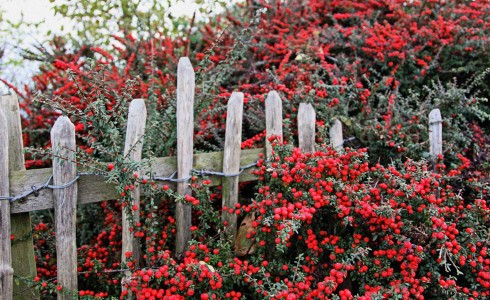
{"type": "Point", "coordinates": [329, 223]}
{"type": "Point", "coordinates": [379, 66]}
{"type": "Point", "coordinates": [374, 221]}
{"type": "Point", "coordinates": [325, 224]}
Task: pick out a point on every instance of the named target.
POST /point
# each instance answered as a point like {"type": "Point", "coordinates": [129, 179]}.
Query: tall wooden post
{"type": "Point", "coordinates": [185, 149]}
{"type": "Point", "coordinates": [23, 260]}
{"type": "Point", "coordinates": [6, 271]}
{"type": "Point", "coordinates": [231, 161]}
{"type": "Point", "coordinates": [65, 205]}
{"type": "Point", "coordinates": [133, 150]}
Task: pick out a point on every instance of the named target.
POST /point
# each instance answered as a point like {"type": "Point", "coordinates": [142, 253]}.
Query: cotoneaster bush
{"type": "Point", "coordinates": [324, 224]}
{"type": "Point", "coordinates": [376, 65]}
{"type": "Point", "coordinates": [330, 223]}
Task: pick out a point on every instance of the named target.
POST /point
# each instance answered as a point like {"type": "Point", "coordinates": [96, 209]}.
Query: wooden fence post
{"type": "Point", "coordinates": [231, 161]}
{"type": "Point", "coordinates": [273, 120]}
{"type": "Point", "coordinates": [185, 149]}
{"type": "Point", "coordinates": [6, 271]}
{"type": "Point", "coordinates": [435, 133]}
{"type": "Point", "coordinates": [306, 127]}
{"type": "Point", "coordinates": [133, 150]}
{"type": "Point", "coordinates": [23, 260]}
{"type": "Point", "coordinates": [336, 136]}
{"type": "Point", "coordinates": [65, 204]}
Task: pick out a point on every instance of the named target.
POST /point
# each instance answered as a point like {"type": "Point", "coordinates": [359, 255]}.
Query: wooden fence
{"type": "Point", "coordinates": [15, 180]}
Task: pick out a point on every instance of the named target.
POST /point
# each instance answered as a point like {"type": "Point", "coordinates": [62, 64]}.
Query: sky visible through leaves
{"type": "Point", "coordinates": [25, 23]}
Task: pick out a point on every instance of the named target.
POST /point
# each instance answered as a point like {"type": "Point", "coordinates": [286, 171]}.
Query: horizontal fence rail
{"type": "Point", "coordinates": [92, 188]}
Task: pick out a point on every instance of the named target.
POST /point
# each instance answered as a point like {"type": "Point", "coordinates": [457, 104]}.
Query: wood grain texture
{"type": "Point", "coordinates": [23, 260]}
{"type": "Point", "coordinates": [231, 161]}
{"type": "Point", "coordinates": [185, 148]}
{"type": "Point", "coordinates": [93, 189]}
{"type": "Point", "coordinates": [6, 270]}
{"type": "Point", "coordinates": [336, 135]}
{"type": "Point", "coordinates": [306, 127]}
{"type": "Point", "coordinates": [133, 149]}
{"type": "Point", "coordinates": [65, 204]}
{"type": "Point", "coordinates": [10, 107]}
{"type": "Point", "coordinates": [435, 132]}
{"type": "Point", "coordinates": [273, 119]}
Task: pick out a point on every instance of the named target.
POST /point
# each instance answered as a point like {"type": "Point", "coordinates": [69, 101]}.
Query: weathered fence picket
{"type": "Point", "coordinates": [133, 150]}
{"type": "Point", "coordinates": [89, 189]}
{"type": "Point", "coordinates": [435, 132]}
{"type": "Point", "coordinates": [185, 149]}
{"type": "Point", "coordinates": [23, 260]}
{"type": "Point", "coordinates": [65, 204]}
{"type": "Point", "coordinates": [6, 270]}
{"type": "Point", "coordinates": [231, 161]}
{"type": "Point", "coordinates": [336, 136]}
{"type": "Point", "coordinates": [306, 127]}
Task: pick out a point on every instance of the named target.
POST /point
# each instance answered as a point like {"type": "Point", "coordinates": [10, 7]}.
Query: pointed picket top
{"type": "Point", "coordinates": [435, 116]}
{"type": "Point", "coordinates": [137, 108]}
{"type": "Point", "coordinates": [61, 135]}
{"type": "Point", "coordinates": [273, 119]}
{"type": "Point", "coordinates": [185, 76]}
{"type": "Point", "coordinates": [435, 132]}
{"type": "Point", "coordinates": [306, 127]}
{"type": "Point", "coordinates": [336, 135]}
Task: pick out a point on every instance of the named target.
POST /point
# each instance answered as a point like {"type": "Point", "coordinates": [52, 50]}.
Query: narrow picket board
{"type": "Point", "coordinates": [65, 204]}
{"type": "Point", "coordinates": [92, 189]}
{"type": "Point", "coordinates": [273, 120]}
{"type": "Point", "coordinates": [23, 259]}
{"type": "Point", "coordinates": [336, 136]}
{"type": "Point", "coordinates": [133, 150]}
{"type": "Point", "coordinates": [231, 161]}
{"type": "Point", "coordinates": [306, 127]}
{"type": "Point", "coordinates": [6, 270]}
{"type": "Point", "coordinates": [185, 148]}
{"type": "Point", "coordinates": [435, 132]}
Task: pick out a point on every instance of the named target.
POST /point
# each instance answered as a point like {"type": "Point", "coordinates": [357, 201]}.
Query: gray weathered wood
{"type": "Point", "coordinates": [273, 119]}
{"type": "Point", "coordinates": [65, 204]}
{"type": "Point", "coordinates": [435, 132]}
{"type": "Point", "coordinates": [133, 150]}
{"type": "Point", "coordinates": [23, 260]}
{"type": "Point", "coordinates": [336, 136]}
{"type": "Point", "coordinates": [185, 148]}
{"type": "Point", "coordinates": [231, 161]}
{"type": "Point", "coordinates": [306, 127]}
{"type": "Point", "coordinates": [10, 107]}
{"type": "Point", "coordinates": [93, 189]}
{"type": "Point", "coordinates": [6, 270]}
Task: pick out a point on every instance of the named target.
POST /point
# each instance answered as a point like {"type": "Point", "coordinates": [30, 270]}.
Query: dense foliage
{"type": "Point", "coordinates": [324, 224]}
